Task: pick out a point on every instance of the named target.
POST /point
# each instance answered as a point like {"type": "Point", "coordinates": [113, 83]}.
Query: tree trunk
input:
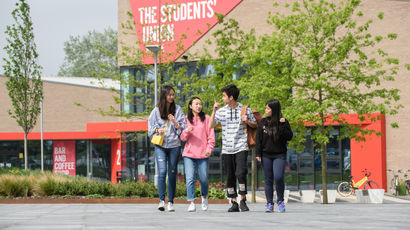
{"type": "Point", "coordinates": [253, 180]}
{"type": "Point", "coordinates": [25, 152]}
{"type": "Point", "coordinates": [324, 182]}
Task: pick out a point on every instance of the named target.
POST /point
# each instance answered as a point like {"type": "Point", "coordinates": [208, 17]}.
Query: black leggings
{"type": "Point", "coordinates": [274, 169]}
{"type": "Point", "coordinates": [236, 168]}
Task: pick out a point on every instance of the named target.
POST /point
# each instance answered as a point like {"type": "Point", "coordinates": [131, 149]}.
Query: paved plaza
{"type": "Point", "coordinates": [342, 215]}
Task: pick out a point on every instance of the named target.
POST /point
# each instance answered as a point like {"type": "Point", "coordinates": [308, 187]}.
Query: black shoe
{"type": "Point", "coordinates": [234, 207]}
{"type": "Point", "coordinates": [243, 206]}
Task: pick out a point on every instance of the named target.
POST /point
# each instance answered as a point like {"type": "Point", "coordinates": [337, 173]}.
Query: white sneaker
{"type": "Point", "coordinates": [161, 205]}
{"type": "Point", "coordinates": [204, 204]}
{"type": "Point", "coordinates": [171, 207]}
{"type": "Point", "coordinates": [192, 208]}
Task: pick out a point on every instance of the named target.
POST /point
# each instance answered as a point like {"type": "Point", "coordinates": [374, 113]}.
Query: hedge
{"type": "Point", "coordinates": [20, 183]}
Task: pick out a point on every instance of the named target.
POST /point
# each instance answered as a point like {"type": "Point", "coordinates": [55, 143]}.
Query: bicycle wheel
{"type": "Point", "coordinates": [344, 189]}
{"type": "Point", "coordinates": [371, 185]}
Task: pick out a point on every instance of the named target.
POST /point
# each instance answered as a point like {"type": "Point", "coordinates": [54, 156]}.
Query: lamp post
{"type": "Point", "coordinates": [41, 142]}
{"type": "Point", "coordinates": [155, 49]}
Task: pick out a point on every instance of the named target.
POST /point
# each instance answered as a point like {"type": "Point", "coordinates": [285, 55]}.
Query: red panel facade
{"type": "Point", "coordinates": [371, 154]}
{"type": "Point", "coordinates": [115, 159]}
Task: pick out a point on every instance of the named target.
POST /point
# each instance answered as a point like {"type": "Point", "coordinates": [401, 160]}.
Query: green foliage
{"type": "Point", "coordinates": [15, 186]}
{"type": "Point", "coordinates": [34, 183]}
{"type": "Point", "coordinates": [47, 187]}
{"type": "Point", "coordinates": [333, 73]}
{"type": "Point", "coordinates": [402, 188]}
{"type": "Point", "coordinates": [180, 190]}
{"type": "Point", "coordinates": [138, 189]}
{"type": "Point", "coordinates": [13, 171]}
{"type": "Point", "coordinates": [92, 53]}
{"type": "Point", "coordinates": [95, 196]}
{"type": "Point", "coordinates": [24, 84]}
{"type": "Point", "coordinates": [231, 45]}
{"type": "Point", "coordinates": [216, 193]}
{"type": "Point", "coordinates": [335, 69]}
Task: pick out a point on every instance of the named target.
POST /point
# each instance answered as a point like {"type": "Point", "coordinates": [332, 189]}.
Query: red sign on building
{"type": "Point", "coordinates": [116, 160]}
{"type": "Point", "coordinates": [64, 157]}
{"type": "Point", "coordinates": [175, 24]}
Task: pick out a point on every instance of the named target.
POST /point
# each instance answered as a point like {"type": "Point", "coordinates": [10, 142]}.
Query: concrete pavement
{"type": "Point", "coordinates": [146, 216]}
{"type": "Point", "coordinates": [294, 196]}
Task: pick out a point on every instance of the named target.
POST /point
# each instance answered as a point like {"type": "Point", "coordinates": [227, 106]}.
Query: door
{"type": "Point", "coordinates": [93, 159]}
{"type": "Point", "coordinates": [99, 160]}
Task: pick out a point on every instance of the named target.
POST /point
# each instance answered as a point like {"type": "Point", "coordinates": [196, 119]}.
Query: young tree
{"type": "Point", "coordinates": [24, 84]}
{"type": "Point", "coordinates": [336, 68]}
{"type": "Point", "coordinates": [318, 61]}
{"type": "Point", "coordinates": [89, 54]}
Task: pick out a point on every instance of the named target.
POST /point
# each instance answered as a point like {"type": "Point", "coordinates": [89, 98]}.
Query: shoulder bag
{"type": "Point", "coordinates": [159, 139]}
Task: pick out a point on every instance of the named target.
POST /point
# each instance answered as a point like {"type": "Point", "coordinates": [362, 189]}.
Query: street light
{"type": "Point", "coordinates": [155, 49]}
{"type": "Point", "coordinates": [41, 142]}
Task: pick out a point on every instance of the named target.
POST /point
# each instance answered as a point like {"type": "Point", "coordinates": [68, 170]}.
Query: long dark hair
{"type": "Point", "coordinates": [272, 122]}
{"type": "Point", "coordinates": [162, 103]}
{"type": "Point", "coordinates": [191, 114]}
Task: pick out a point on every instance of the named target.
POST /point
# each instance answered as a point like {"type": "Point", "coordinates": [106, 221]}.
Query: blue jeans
{"type": "Point", "coordinates": [274, 169]}
{"type": "Point", "coordinates": [167, 158]}
{"type": "Point", "coordinates": [191, 165]}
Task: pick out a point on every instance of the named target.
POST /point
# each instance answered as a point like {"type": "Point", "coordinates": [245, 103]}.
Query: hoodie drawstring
{"type": "Point", "coordinates": [235, 114]}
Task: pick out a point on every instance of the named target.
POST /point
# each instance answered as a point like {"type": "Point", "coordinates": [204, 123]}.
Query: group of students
{"type": "Point", "coordinates": [197, 130]}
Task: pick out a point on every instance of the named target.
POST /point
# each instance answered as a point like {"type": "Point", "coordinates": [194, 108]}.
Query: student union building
{"type": "Point", "coordinates": [80, 141]}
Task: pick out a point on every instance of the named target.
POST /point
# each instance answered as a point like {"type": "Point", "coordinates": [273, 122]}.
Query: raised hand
{"type": "Point", "coordinates": [171, 118]}
{"type": "Point", "coordinates": [216, 104]}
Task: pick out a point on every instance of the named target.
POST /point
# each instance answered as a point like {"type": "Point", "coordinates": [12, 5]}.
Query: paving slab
{"type": "Point", "coordinates": [146, 216]}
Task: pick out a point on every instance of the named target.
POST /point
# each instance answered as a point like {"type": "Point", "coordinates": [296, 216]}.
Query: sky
{"type": "Point", "coordinates": [54, 21]}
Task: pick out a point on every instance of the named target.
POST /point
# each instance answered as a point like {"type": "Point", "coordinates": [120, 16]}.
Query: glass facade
{"type": "Point", "coordinates": [305, 169]}
{"type": "Point", "coordinates": [140, 162]}
{"type": "Point", "coordinates": [134, 103]}
{"type": "Point", "coordinates": [132, 99]}
{"type": "Point", "coordinates": [93, 157]}
{"type": "Point", "coordinates": [12, 154]}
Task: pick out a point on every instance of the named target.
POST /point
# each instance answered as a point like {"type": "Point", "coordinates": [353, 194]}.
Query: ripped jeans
{"type": "Point", "coordinates": [167, 160]}
{"type": "Point", "coordinates": [236, 166]}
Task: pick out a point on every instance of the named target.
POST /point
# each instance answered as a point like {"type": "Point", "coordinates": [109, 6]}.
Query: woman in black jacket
{"type": "Point", "coordinates": [271, 139]}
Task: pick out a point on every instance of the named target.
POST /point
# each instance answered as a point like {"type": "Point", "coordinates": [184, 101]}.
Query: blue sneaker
{"type": "Point", "coordinates": [281, 206]}
{"type": "Point", "coordinates": [269, 207]}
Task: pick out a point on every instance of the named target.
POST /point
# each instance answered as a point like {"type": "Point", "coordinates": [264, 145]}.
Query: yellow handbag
{"type": "Point", "coordinates": [158, 139]}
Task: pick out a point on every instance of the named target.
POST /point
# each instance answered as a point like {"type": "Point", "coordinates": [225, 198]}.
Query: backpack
{"type": "Point", "coordinates": [248, 129]}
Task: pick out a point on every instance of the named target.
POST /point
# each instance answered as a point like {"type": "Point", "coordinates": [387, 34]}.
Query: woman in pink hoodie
{"type": "Point", "coordinates": [200, 142]}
